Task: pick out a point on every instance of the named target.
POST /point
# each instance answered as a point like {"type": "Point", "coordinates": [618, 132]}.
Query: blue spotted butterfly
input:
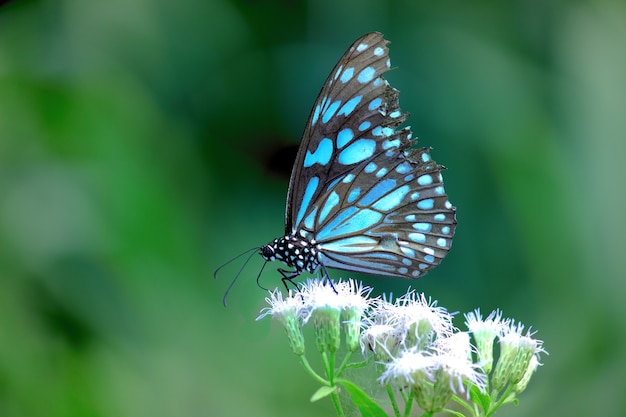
{"type": "Point", "coordinates": [360, 197]}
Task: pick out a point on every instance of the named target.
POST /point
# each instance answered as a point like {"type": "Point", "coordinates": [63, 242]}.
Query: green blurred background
{"type": "Point", "coordinates": [144, 143]}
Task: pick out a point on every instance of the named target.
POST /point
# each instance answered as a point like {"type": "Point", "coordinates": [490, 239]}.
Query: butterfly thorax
{"type": "Point", "coordinates": [296, 252]}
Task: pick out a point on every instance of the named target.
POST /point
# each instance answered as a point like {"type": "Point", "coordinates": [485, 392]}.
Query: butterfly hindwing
{"type": "Point", "coordinates": [389, 217]}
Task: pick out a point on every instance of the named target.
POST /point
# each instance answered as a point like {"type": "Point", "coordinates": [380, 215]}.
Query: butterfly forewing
{"type": "Point", "coordinates": [354, 103]}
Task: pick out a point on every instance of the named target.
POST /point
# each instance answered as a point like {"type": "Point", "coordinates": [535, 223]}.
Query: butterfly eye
{"type": "Point", "coordinates": [267, 252]}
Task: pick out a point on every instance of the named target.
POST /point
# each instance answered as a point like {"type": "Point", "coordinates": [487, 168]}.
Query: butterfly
{"type": "Point", "coordinates": [361, 196]}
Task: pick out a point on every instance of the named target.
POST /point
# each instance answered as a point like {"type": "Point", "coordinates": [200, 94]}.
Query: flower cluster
{"type": "Point", "coordinates": [414, 347]}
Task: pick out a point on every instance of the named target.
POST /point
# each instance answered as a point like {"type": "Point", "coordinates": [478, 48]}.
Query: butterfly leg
{"type": "Point", "coordinates": [326, 278]}
{"type": "Point", "coordinates": [288, 276]}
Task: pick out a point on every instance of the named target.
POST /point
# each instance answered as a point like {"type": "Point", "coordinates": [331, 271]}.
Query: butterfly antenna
{"type": "Point", "coordinates": [258, 277]}
{"type": "Point", "coordinates": [228, 262]}
{"type": "Point", "coordinates": [238, 273]}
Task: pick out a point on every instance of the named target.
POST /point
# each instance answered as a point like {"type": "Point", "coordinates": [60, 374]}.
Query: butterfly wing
{"type": "Point", "coordinates": [332, 143]}
{"type": "Point", "coordinates": [390, 216]}
{"type": "Point", "coordinates": [371, 202]}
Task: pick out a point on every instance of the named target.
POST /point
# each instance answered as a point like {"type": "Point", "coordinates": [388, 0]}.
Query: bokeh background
{"type": "Point", "coordinates": [144, 143]}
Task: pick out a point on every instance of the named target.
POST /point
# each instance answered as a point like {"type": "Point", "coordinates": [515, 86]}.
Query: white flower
{"type": "Point", "coordinates": [485, 332]}
{"type": "Point", "coordinates": [421, 319]}
{"type": "Point", "coordinates": [289, 312]}
{"type": "Point", "coordinates": [516, 352]}
{"type": "Point", "coordinates": [281, 307]}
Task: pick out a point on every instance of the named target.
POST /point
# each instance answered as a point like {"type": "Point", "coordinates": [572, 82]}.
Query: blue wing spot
{"type": "Point", "coordinates": [316, 115]}
{"type": "Point", "coordinates": [366, 75]}
{"type": "Point", "coordinates": [364, 126]}
{"type": "Point", "coordinates": [338, 72]}
{"type": "Point", "coordinates": [395, 114]}
{"type": "Point", "coordinates": [441, 242]}
{"type": "Point", "coordinates": [417, 237]}
{"type": "Point", "coordinates": [409, 177]}
{"type": "Point", "coordinates": [333, 183]}
{"type": "Point", "coordinates": [391, 200]}
{"type": "Point", "coordinates": [377, 131]}
{"type": "Point", "coordinates": [403, 168]}
{"type": "Point", "coordinates": [379, 190]}
{"type": "Point", "coordinates": [344, 136]}
{"type": "Point", "coordinates": [445, 230]}
{"type": "Point", "coordinates": [426, 204]}
{"type": "Point", "coordinates": [322, 154]}
{"type": "Point", "coordinates": [425, 157]}
{"type": "Point", "coordinates": [309, 221]}
{"type": "Point", "coordinates": [429, 258]}
{"type": "Point", "coordinates": [383, 256]}
{"type": "Point", "coordinates": [423, 227]}
{"type": "Point", "coordinates": [349, 106]}
{"type": "Point", "coordinates": [306, 199]}
{"type": "Point", "coordinates": [388, 63]}
{"type": "Point", "coordinates": [354, 194]}
{"type": "Point", "coordinates": [387, 131]}
{"type": "Point", "coordinates": [448, 205]}
{"type": "Point", "coordinates": [362, 47]}
{"type": "Point", "coordinates": [350, 244]}
{"type": "Point", "coordinates": [410, 218]}
{"type": "Point", "coordinates": [415, 196]}
{"type": "Point", "coordinates": [371, 167]}
{"type": "Point", "coordinates": [425, 180]}
{"type": "Point", "coordinates": [348, 179]}
{"type": "Point", "coordinates": [429, 251]}
{"type": "Point", "coordinates": [439, 190]}
{"type": "Point", "coordinates": [408, 251]}
{"type": "Point", "coordinates": [378, 51]}
{"type": "Point", "coordinates": [331, 202]}
{"type": "Point", "coordinates": [324, 103]}
{"type": "Point", "coordinates": [347, 75]}
{"type": "Point", "coordinates": [403, 270]}
{"type": "Point", "coordinates": [377, 82]}
{"type": "Point", "coordinates": [439, 217]}
{"type": "Point", "coordinates": [374, 104]}
{"type": "Point", "coordinates": [416, 273]}
{"type": "Point", "coordinates": [328, 114]}
{"type": "Point", "coordinates": [389, 144]}
{"type": "Point", "coordinates": [407, 261]}
{"type": "Point", "coordinates": [382, 172]}
{"type": "Point", "coordinates": [350, 224]}
{"type": "Point", "coordinates": [422, 266]}
{"type": "Point", "coordinates": [358, 151]}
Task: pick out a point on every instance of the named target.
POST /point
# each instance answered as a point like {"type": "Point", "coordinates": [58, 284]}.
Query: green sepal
{"type": "Point", "coordinates": [323, 392]}
{"type": "Point", "coordinates": [364, 403]}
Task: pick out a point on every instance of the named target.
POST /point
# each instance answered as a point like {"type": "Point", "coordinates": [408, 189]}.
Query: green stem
{"type": "Point", "coordinates": [330, 373]}
{"type": "Point", "coordinates": [503, 398]}
{"type": "Point", "coordinates": [337, 403]}
{"type": "Point", "coordinates": [311, 371]}
{"type": "Point", "coordinates": [343, 365]}
{"type": "Point", "coordinates": [408, 405]}
{"type": "Point", "coordinates": [394, 404]}
{"type": "Point", "coordinates": [328, 358]}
